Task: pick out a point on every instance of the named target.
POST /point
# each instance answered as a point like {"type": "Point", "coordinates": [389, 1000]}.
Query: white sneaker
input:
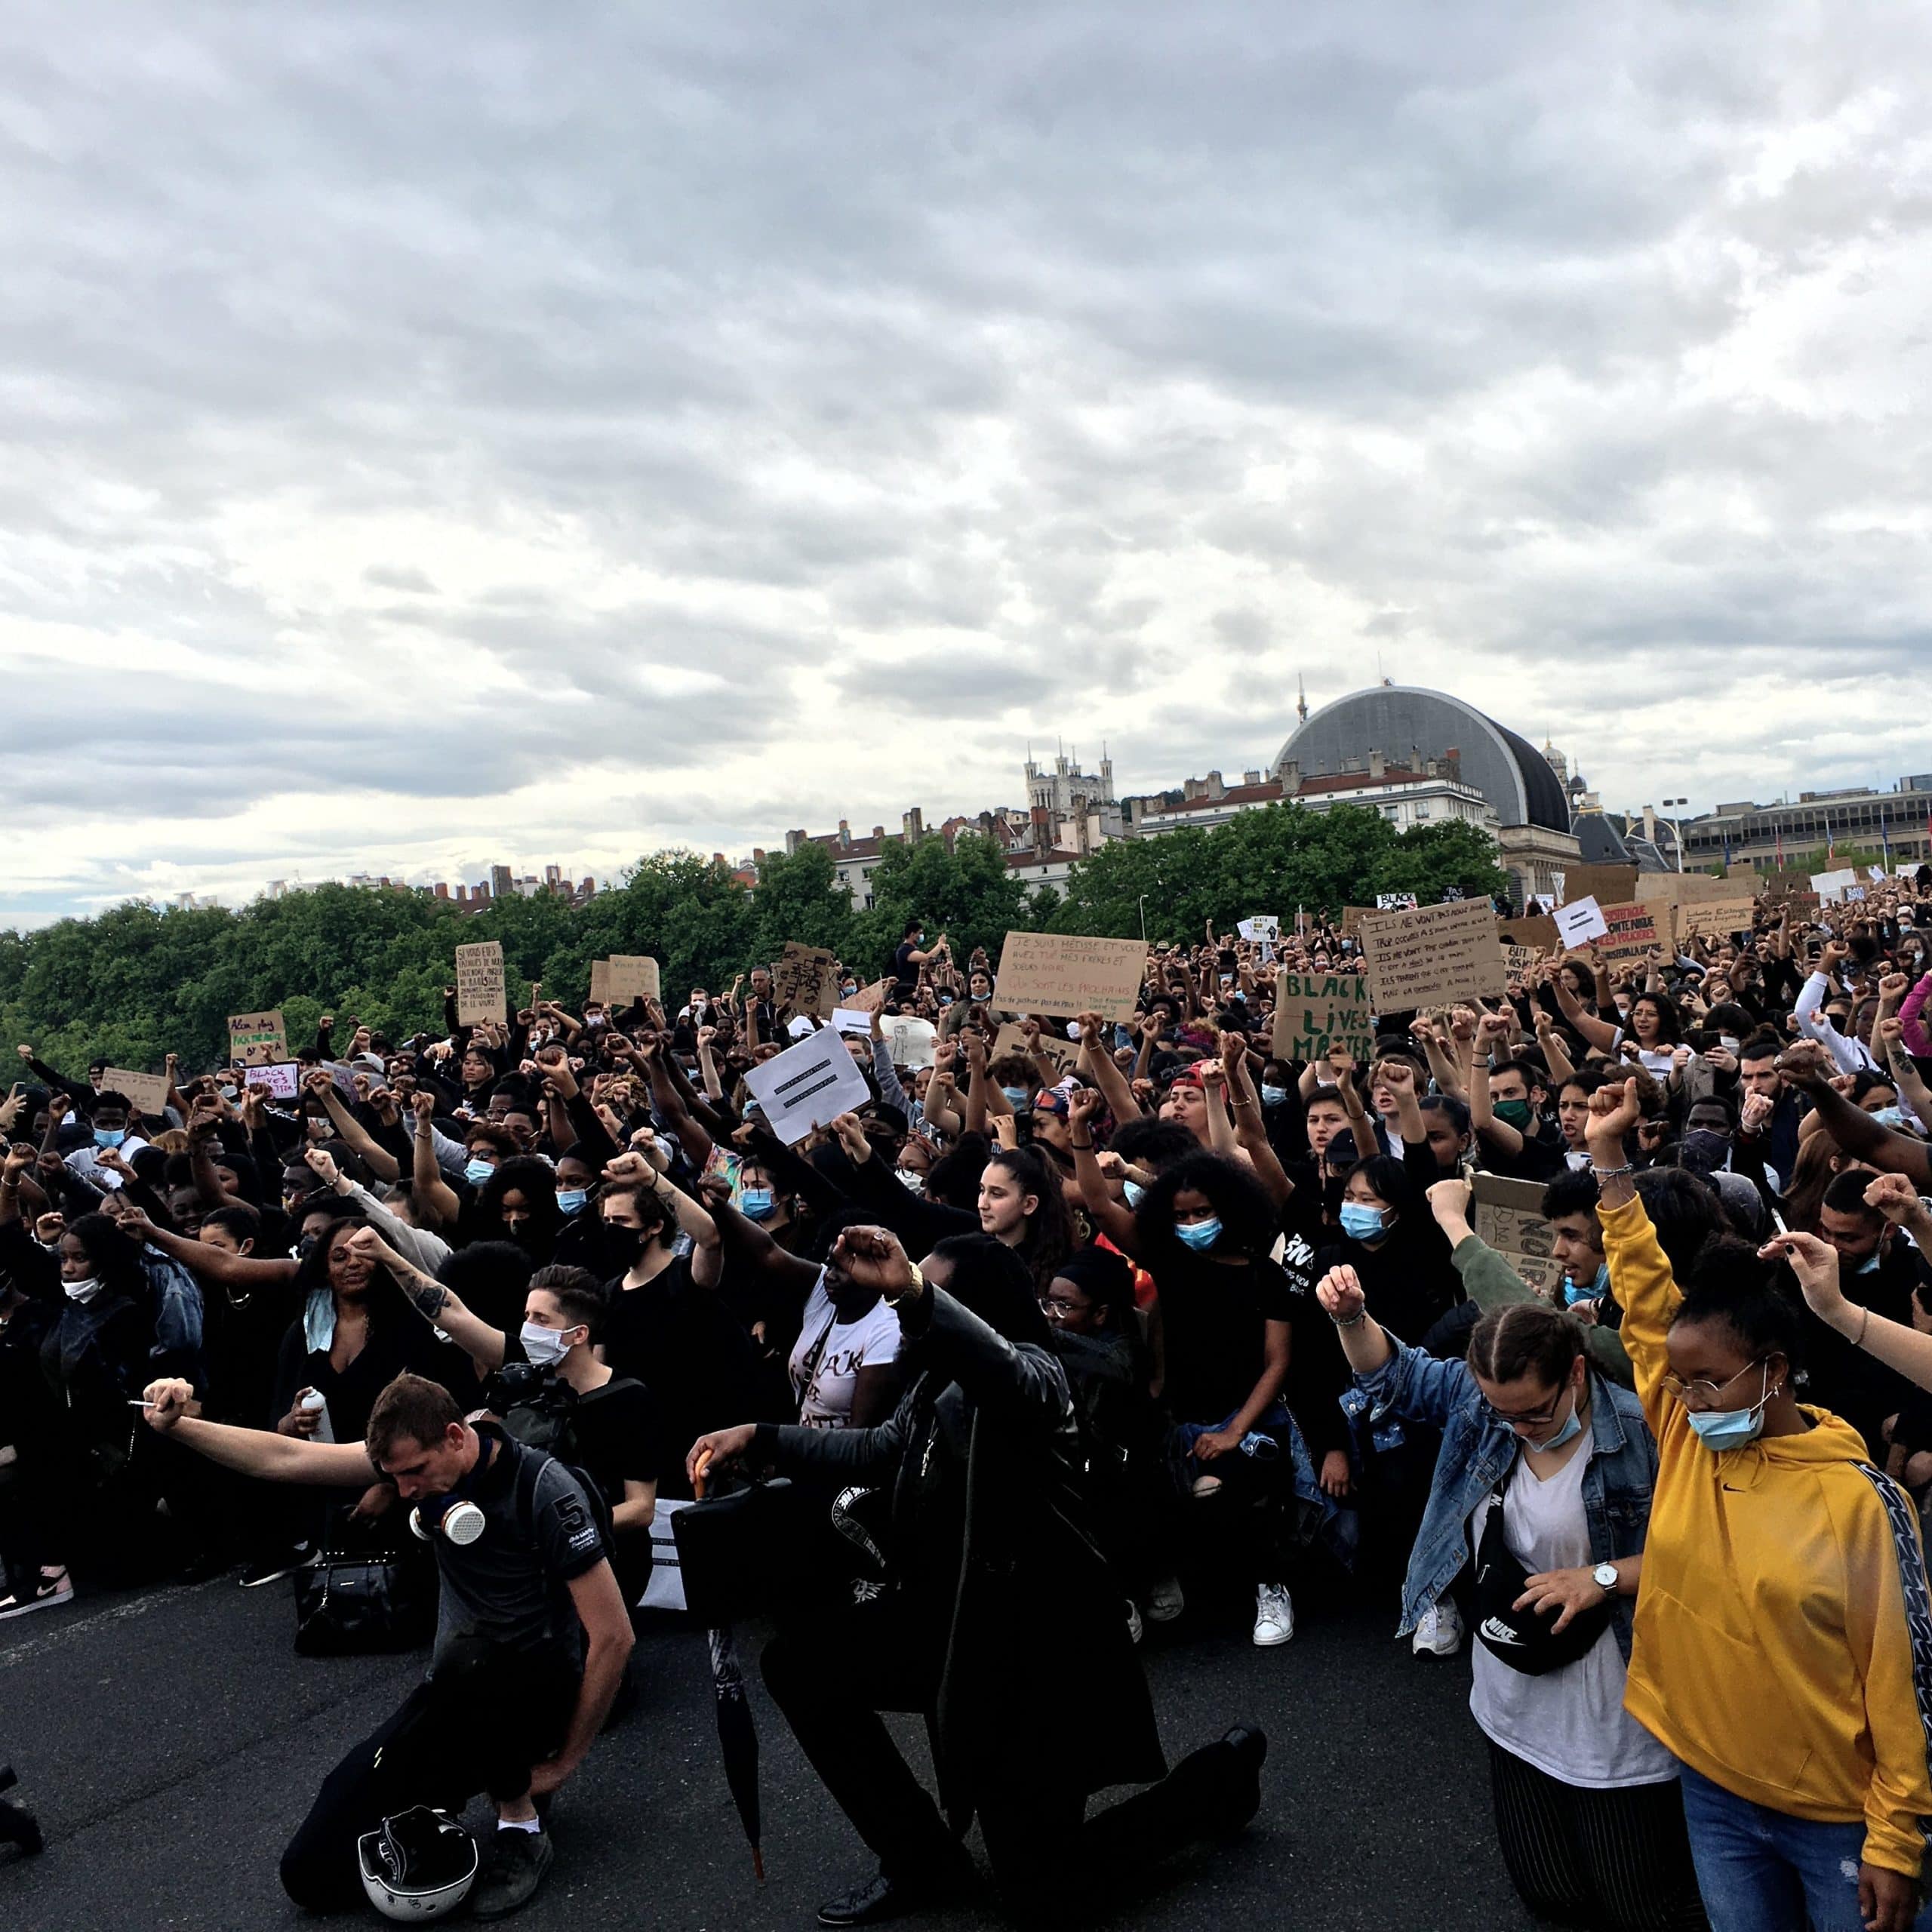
{"type": "Point", "coordinates": [1133, 1629]}
{"type": "Point", "coordinates": [1274, 1615]}
{"type": "Point", "coordinates": [1439, 1634]}
{"type": "Point", "coordinates": [1164, 1600]}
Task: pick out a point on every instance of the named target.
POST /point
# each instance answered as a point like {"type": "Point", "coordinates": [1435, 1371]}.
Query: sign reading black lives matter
{"type": "Point", "coordinates": [806, 1085]}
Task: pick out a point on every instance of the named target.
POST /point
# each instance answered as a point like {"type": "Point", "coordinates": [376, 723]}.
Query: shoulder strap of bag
{"type": "Point", "coordinates": [1901, 1514]}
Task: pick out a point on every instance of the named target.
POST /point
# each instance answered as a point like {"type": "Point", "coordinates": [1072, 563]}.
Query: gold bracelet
{"type": "Point", "coordinates": [916, 1286]}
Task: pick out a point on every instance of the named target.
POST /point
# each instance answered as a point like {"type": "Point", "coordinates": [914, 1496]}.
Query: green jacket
{"type": "Point", "coordinates": [1492, 1283]}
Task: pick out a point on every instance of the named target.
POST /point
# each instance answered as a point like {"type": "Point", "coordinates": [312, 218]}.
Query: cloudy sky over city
{"type": "Point", "coordinates": [442, 433]}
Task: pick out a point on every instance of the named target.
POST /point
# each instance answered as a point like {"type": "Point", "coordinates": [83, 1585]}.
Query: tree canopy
{"type": "Point", "coordinates": [133, 983]}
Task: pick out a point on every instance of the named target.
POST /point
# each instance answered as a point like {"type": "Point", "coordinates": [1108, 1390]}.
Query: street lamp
{"type": "Point", "coordinates": [1677, 826]}
{"type": "Point", "coordinates": [1143, 919]}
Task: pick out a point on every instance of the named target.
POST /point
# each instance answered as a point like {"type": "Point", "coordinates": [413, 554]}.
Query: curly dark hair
{"type": "Point", "coordinates": [1249, 1221]}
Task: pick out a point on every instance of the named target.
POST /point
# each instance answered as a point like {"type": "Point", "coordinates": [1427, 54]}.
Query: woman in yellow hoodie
{"type": "Point", "coordinates": [1772, 1654]}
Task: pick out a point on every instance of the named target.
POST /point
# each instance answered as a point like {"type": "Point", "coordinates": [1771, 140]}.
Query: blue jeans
{"type": "Point", "coordinates": [1765, 1871]}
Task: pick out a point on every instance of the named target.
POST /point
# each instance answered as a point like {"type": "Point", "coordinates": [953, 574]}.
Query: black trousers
{"type": "Point", "coordinates": [480, 1724]}
{"type": "Point", "coordinates": [833, 1676]}
{"type": "Point", "coordinates": [1614, 1861]}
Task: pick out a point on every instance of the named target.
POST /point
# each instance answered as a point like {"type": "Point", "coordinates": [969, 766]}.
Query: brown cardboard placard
{"type": "Point", "coordinates": [634, 977]}
{"type": "Point", "coordinates": [1060, 972]}
{"type": "Point", "coordinates": [1052, 1046]}
{"type": "Point", "coordinates": [480, 989]}
{"type": "Point", "coordinates": [147, 1092]}
{"type": "Point", "coordinates": [600, 982]}
{"type": "Point", "coordinates": [1635, 930]}
{"type": "Point", "coordinates": [1351, 919]}
{"type": "Point", "coordinates": [1608, 885]}
{"type": "Point", "coordinates": [1509, 1218]}
{"type": "Point", "coordinates": [871, 999]}
{"type": "Point", "coordinates": [257, 1039]}
{"type": "Point", "coordinates": [805, 983]}
{"type": "Point", "coordinates": [1315, 1012]}
{"type": "Point", "coordinates": [1433, 955]}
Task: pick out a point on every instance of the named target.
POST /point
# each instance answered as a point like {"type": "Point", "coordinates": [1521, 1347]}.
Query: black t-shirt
{"type": "Point", "coordinates": [1536, 1159]}
{"type": "Point", "coordinates": [615, 1436]}
{"type": "Point", "coordinates": [682, 1343]}
{"type": "Point", "coordinates": [1213, 1317]}
{"type": "Point", "coordinates": [905, 968]}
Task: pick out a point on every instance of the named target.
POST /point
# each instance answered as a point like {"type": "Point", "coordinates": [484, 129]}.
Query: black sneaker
{"type": "Point", "coordinates": [45, 1592]}
{"type": "Point", "coordinates": [285, 1563]}
{"type": "Point", "coordinates": [513, 1867]}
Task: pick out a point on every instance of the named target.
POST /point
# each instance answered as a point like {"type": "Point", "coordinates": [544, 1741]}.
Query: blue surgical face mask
{"type": "Point", "coordinates": [1016, 1096]}
{"type": "Point", "coordinates": [1869, 1266]}
{"type": "Point", "coordinates": [1890, 1116]}
{"type": "Point", "coordinates": [1572, 1294]}
{"type": "Point", "coordinates": [946, 999]}
{"type": "Point", "coordinates": [849, 989]}
{"type": "Point", "coordinates": [569, 1199]}
{"type": "Point", "coordinates": [757, 1203]}
{"type": "Point", "coordinates": [1199, 1234]}
{"type": "Point", "coordinates": [1731, 1428]}
{"type": "Point", "coordinates": [1273, 1096]}
{"type": "Point", "coordinates": [477, 1172]}
{"type": "Point", "coordinates": [109, 1137]}
{"type": "Point", "coordinates": [1569, 1431]}
{"type": "Point", "coordinates": [1134, 1192]}
{"type": "Point", "coordinates": [1359, 1222]}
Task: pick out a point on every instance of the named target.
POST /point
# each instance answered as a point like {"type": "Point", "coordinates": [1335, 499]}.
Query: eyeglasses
{"type": "Point", "coordinates": [1055, 1308]}
{"type": "Point", "coordinates": [1527, 1419]}
{"type": "Point", "coordinates": [1705, 1395]}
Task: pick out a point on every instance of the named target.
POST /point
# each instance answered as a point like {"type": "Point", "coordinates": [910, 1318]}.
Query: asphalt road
{"type": "Point", "coordinates": [170, 1740]}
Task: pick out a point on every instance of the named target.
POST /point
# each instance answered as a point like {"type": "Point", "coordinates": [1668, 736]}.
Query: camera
{"type": "Point", "coordinates": [534, 1404]}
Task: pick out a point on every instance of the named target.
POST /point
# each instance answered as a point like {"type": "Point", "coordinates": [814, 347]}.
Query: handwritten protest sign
{"type": "Point", "coordinates": [1579, 921]}
{"type": "Point", "coordinates": [1830, 886]}
{"type": "Point", "coordinates": [257, 1039]}
{"type": "Point", "coordinates": [910, 1042]}
{"type": "Point", "coordinates": [599, 983]}
{"type": "Point", "coordinates": [282, 1078]}
{"type": "Point", "coordinates": [1057, 973]}
{"type": "Point", "coordinates": [870, 999]}
{"type": "Point", "coordinates": [1351, 919]}
{"type": "Point", "coordinates": [1536, 933]}
{"type": "Point", "coordinates": [1056, 1048]}
{"type": "Point", "coordinates": [1395, 901]}
{"type": "Point", "coordinates": [479, 982]}
{"type": "Point", "coordinates": [1631, 931]}
{"type": "Point", "coordinates": [808, 1085]}
{"type": "Point", "coordinates": [147, 1092]}
{"type": "Point", "coordinates": [805, 984]}
{"type": "Point", "coordinates": [1262, 926]}
{"type": "Point", "coordinates": [1431, 956]}
{"type": "Point", "coordinates": [1315, 1012]}
{"type": "Point", "coordinates": [633, 977]}
{"type": "Point", "coordinates": [1509, 1218]}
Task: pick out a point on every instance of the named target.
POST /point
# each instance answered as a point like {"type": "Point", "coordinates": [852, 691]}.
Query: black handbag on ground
{"type": "Point", "coordinates": [349, 1605]}
{"type": "Point", "coordinates": [741, 1553]}
{"type": "Point", "coordinates": [1523, 1638]}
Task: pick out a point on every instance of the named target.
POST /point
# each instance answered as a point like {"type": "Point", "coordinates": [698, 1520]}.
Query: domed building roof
{"type": "Point", "coordinates": [1408, 724]}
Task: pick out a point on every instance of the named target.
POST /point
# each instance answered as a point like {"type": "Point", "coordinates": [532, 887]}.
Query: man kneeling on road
{"type": "Point", "coordinates": [515, 1694]}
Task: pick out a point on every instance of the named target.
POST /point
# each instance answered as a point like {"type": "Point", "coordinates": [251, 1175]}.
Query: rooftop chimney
{"type": "Point", "coordinates": [1377, 765]}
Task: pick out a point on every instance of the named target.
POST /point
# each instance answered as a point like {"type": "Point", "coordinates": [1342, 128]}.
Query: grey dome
{"type": "Point", "coordinates": [1408, 725]}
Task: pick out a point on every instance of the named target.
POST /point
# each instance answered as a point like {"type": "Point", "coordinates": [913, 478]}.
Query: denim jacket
{"type": "Point", "coordinates": [1476, 1449]}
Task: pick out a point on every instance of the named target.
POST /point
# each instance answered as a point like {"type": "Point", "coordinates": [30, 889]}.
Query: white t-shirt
{"type": "Point", "coordinates": [1570, 1723]}
{"type": "Point", "coordinates": [828, 1354]}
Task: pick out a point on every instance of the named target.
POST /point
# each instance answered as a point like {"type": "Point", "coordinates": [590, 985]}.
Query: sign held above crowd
{"type": "Point", "coordinates": [1057, 973]}
{"type": "Point", "coordinates": [1433, 955]}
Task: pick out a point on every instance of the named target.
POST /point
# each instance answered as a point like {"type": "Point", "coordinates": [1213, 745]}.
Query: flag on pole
{"type": "Point", "coordinates": [1885, 838]}
{"type": "Point", "coordinates": [1780, 831]}
{"type": "Point", "coordinates": [1727, 852]}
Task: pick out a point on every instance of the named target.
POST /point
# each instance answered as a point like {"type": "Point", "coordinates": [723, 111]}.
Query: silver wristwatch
{"type": "Point", "coordinates": [1605, 1577]}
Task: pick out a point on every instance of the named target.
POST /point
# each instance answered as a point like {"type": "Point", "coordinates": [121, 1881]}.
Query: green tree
{"type": "Point", "coordinates": [968, 892]}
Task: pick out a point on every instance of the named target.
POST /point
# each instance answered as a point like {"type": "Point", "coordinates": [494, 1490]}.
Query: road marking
{"type": "Point", "coordinates": [70, 1630]}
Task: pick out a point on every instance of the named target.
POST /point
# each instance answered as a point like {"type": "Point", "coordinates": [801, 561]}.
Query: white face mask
{"type": "Point", "coordinates": [84, 1291]}
{"type": "Point", "coordinates": [544, 1347]}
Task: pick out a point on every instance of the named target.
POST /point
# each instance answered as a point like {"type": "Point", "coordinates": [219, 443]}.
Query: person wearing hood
{"type": "Point", "coordinates": [1774, 1655]}
{"type": "Point", "coordinates": [989, 1522]}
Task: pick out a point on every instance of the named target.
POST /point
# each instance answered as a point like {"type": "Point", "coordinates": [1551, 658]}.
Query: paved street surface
{"type": "Point", "coordinates": [169, 1741]}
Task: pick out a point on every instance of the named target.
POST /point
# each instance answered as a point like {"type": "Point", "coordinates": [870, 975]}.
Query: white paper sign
{"type": "Point", "coordinates": [1264, 926]}
{"type": "Point", "coordinates": [808, 1084]}
{"type": "Point", "coordinates": [847, 1020]}
{"type": "Point", "coordinates": [1395, 901]}
{"type": "Point", "coordinates": [1582, 919]}
{"type": "Point", "coordinates": [910, 1042]}
{"type": "Point", "coordinates": [1833, 885]}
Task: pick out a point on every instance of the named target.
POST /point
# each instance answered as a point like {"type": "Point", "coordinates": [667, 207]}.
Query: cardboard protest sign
{"type": "Point", "coordinates": [1509, 1218]}
{"type": "Point", "coordinates": [808, 1085]}
{"type": "Point", "coordinates": [1631, 931]}
{"type": "Point", "coordinates": [1432, 955]}
{"type": "Point", "coordinates": [600, 982]}
{"type": "Point", "coordinates": [1518, 961]}
{"type": "Point", "coordinates": [1055, 1047]}
{"type": "Point", "coordinates": [479, 982]}
{"type": "Point", "coordinates": [257, 1039]}
{"type": "Point", "coordinates": [147, 1092]}
{"type": "Point", "coordinates": [1351, 919]}
{"type": "Point", "coordinates": [869, 999]}
{"type": "Point", "coordinates": [805, 983]}
{"type": "Point", "coordinates": [633, 977]}
{"type": "Point", "coordinates": [1538, 932]}
{"type": "Point", "coordinates": [911, 1041]}
{"type": "Point", "coordinates": [1579, 921]}
{"type": "Point", "coordinates": [1057, 973]}
{"type": "Point", "coordinates": [1608, 885]}
{"type": "Point", "coordinates": [1315, 1012]}
{"type": "Point", "coordinates": [283, 1078]}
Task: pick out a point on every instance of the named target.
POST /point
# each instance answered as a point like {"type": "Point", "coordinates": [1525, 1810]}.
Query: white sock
{"type": "Point", "coordinates": [519, 1824]}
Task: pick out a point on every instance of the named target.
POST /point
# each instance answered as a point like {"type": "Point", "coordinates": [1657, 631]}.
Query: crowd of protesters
{"type": "Point", "coordinates": [1220, 1315]}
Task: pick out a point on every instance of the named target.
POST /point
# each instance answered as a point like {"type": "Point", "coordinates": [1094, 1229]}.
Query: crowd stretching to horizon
{"type": "Point", "coordinates": [1672, 1508]}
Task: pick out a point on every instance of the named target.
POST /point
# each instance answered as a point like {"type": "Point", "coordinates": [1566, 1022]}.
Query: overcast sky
{"type": "Point", "coordinates": [435, 434]}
